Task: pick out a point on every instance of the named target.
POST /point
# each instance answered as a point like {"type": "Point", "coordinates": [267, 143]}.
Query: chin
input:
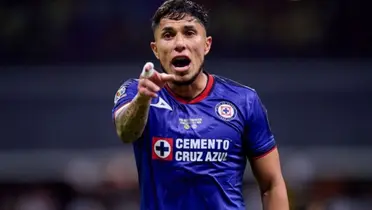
{"type": "Point", "coordinates": [181, 74]}
{"type": "Point", "coordinates": [186, 79]}
{"type": "Point", "coordinates": [183, 82]}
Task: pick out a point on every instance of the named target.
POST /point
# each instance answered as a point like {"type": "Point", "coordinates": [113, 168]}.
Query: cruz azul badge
{"type": "Point", "coordinates": [225, 110]}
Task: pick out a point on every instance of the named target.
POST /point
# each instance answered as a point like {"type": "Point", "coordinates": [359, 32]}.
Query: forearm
{"type": "Point", "coordinates": [275, 198]}
{"type": "Point", "coordinates": [130, 123]}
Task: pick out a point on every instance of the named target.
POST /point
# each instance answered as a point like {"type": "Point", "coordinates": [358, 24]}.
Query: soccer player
{"type": "Point", "coordinates": [194, 132]}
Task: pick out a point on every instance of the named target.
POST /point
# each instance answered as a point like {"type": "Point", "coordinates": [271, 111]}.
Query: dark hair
{"type": "Point", "coordinates": [177, 10]}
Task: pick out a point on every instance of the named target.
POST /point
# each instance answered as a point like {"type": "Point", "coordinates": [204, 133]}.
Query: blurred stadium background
{"type": "Point", "coordinates": [63, 60]}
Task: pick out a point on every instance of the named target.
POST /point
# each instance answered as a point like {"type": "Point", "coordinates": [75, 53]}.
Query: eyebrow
{"type": "Point", "coordinates": [187, 27]}
{"type": "Point", "coordinates": [167, 29]}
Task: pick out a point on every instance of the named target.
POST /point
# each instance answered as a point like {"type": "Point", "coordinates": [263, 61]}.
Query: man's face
{"type": "Point", "coordinates": [181, 45]}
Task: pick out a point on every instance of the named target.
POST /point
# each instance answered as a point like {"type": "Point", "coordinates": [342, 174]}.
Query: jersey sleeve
{"type": "Point", "coordinates": [125, 94]}
{"type": "Point", "coordinates": [259, 140]}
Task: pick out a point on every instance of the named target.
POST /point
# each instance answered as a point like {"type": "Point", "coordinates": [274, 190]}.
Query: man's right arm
{"type": "Point", "coordinates": [132, 103]}
{"type": "Point", "coordinates": [131, 119]}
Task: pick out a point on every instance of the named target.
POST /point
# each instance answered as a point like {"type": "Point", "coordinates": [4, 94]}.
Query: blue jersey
{"type": "Point", "coordinates": [193, 154]}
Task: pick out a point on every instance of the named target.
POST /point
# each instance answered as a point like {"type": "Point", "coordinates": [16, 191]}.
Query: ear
{"type": "Point", "coordinates": [154, 49]}
{"type": "Point", "coordinates": [208, 44]}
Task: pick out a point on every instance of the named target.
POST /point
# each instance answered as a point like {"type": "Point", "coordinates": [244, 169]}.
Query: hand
{"type": "Point", "coordinates": [151, 81]}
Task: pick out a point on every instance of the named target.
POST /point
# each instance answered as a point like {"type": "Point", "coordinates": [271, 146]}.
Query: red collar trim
{"type": "Point", "coordinates": [199, 97]}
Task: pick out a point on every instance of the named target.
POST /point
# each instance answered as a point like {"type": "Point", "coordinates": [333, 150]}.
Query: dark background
{"type": "Point", "coordinates": [62, 61]}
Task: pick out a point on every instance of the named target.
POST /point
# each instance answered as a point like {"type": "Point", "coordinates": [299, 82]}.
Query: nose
{"type": "Point", "coordinates": [180, 44]}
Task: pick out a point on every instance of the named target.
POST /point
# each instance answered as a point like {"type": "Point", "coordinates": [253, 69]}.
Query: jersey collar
{"type": "Point", "coordinates": [198, 98]}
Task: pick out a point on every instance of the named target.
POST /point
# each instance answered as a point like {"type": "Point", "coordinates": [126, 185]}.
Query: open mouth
{"type": "Point", "coordinates": [181, 62]}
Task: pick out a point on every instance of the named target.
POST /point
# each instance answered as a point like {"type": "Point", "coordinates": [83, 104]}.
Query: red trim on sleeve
{"type": "Point", "coordinates": [198, 98]}
{"type": "Point", "coordinates": [266, 153]}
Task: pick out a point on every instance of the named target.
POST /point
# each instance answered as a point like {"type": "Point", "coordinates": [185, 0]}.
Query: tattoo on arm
{"type": "Point", "coordinates": [131, 122]}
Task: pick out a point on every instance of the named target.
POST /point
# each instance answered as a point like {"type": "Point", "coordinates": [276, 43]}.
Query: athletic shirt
{"type": "Point", "coordinates": [193, 154]}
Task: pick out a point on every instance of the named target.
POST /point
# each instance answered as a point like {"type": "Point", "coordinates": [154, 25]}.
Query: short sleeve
{"type": "Point", "coordinates": [259, 140]}
{"type": "Point", "coordinates": [125, 94]}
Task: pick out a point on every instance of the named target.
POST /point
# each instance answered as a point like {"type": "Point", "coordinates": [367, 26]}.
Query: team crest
{"type": "Point", "coordinates": [162, 148]}
{"type": "Point", "coordinates": [120, 94]}
{"type": "Point", "coordinates": [225, 110]}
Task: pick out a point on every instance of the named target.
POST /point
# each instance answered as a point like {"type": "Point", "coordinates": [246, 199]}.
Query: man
{"type": "Point", "coordinates": [192, 131]}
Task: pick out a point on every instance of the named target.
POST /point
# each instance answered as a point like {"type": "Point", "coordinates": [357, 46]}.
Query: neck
{"type": "Point", "coordinates": [190, 91]}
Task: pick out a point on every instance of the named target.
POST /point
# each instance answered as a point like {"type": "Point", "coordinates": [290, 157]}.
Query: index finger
{"type": "Point", "coordinates": [167, 77]}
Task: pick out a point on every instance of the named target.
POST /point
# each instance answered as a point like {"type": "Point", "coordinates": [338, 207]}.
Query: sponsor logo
{"type": "Point", "coordinates": [161, 104]}
{"type": "Point", "coordinates": [162, 148]}
{"type": "Point", "coordinates": [190, 150]}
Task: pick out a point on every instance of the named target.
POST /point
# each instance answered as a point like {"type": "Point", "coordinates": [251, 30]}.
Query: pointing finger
{"type": "Point", "coordinates": [167, 77]}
